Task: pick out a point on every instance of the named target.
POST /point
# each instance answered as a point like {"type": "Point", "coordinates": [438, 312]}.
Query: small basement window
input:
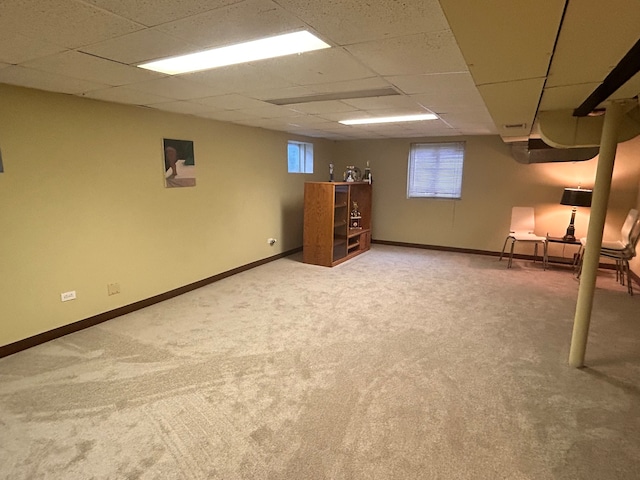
{"type": "Point", "coordinates": [300, 157]}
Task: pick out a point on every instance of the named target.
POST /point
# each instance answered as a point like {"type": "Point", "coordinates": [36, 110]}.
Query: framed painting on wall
{"type": "Point", "coordinates": [179, 163]}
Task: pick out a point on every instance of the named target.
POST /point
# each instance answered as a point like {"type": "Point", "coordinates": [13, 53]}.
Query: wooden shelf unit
{"type": "Point", "coordinates": [328, 239]}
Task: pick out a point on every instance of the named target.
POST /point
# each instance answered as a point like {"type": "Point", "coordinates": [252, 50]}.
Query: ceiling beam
{"type": "Point", "coordinates": [623, 71]}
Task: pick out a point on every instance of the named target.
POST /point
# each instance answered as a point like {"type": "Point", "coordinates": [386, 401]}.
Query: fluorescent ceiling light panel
{"type": "Point", "coordinates": [401, 118]}
{"type": "Point", "coordinates": [278, 46]}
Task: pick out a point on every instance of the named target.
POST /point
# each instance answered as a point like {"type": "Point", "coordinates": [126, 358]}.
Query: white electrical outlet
{"type": "Point", "coordinates": [66, 296]}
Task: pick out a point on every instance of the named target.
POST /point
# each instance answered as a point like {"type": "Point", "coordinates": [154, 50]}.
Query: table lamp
{"type": "Point", "coordinates": [576, 197]}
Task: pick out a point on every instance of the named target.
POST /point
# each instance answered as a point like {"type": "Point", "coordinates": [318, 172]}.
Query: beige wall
{"type": "Point", "coordinates": [493, 182]}
{"type": "Point", "coordinates": [83, 204]}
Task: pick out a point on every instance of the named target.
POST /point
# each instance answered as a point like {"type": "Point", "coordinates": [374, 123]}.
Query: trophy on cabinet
{"type": "Point", "coordinates": [352, 174]}
{"type": "Point", "coordinates": [367, 177]}
{"type": "Point", "coordinates": [355, 217]}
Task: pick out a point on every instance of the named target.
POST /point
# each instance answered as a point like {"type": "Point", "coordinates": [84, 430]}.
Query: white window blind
{"type": "Point", "coordinates": [435, 170]}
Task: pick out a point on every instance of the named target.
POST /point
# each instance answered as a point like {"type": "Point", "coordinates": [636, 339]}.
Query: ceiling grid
{"type": "Point", "coordinates": [478, 65]}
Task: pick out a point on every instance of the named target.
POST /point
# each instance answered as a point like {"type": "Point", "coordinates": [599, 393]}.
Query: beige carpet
{"type": "Point", "coordinates": [400, 364]}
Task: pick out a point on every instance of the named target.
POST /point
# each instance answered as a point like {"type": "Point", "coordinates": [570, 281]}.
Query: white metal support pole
{"type": "Point", "coordinates": [601, 189]}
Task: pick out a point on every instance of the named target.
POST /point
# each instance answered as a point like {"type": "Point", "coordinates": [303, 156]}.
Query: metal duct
{"type": "Point", "coordinates": [536, 151]}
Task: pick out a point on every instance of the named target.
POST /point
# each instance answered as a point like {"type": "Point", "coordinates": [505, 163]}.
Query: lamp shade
{"type": "Point", "coordinates": [576, 197]}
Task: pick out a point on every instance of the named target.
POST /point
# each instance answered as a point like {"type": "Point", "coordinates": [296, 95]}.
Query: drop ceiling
{"type": "Point", "coordinates": [482, 67]}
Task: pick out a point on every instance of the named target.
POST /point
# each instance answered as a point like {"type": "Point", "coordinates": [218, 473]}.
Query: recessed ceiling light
{"type": "Point", "coordinates": [401, 118]}
{"type": "Point", "coordinates": [271, 47]}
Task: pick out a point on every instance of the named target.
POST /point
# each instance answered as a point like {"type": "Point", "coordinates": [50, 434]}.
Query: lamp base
{"type": "Point", "coordinates": [570, 236]}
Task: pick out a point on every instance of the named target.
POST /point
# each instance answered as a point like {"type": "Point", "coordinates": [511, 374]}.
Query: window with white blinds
{"type": "Point", "coordinates": [435, 170]}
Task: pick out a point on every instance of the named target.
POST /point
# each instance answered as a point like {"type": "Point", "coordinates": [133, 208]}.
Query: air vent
{"type": "Point", "coordinates": [536, 151]}
{"type": "Point", "coordinates": [379, 92]}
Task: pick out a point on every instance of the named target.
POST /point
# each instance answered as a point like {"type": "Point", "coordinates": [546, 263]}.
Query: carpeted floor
{"type": "Point", "coordinates": [399, 364]}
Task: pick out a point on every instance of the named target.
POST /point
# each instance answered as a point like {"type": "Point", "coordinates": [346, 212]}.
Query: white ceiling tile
{"type": "Point", "coordinates": [339, 116]}
{"type": "Point", "coordinates": [462, 109]}
{"type": "Point", "coordinates": [560, 98]}
{"type": "Point", "coordinates": [513, 103]}
{"type": "Point", "coordinates": [470, 117]}
{"type": "Point", "coordinates": [240, 22]}
{"type": "Point", "coordinates": [394, 112]}
{"type": "Point", "coordinates": [386, 102]}
{"type": "Point", "coordinates": [279, 93]}
{"type": "Point", "coordinates": [505, 40]}
{"type": "Point", "coordinates": [474, 129]}
{"type": "Point", "coordinates": [396, 128]}
{"type": "Point", "coordinates": [463, 100]}
{"type": "Point", "coordinates": [177, 88]}
{"type": "Point", "coordinates": [65, 23]}
{"type": "Point", "coordinates": [348, 131]}
{"type": "Point", "coordinates": [232, 101]}
{"type": "Point", "coordinates": [271, 123]}
{"type": "Point", "coordinates": [435, 83]}
{"type": "Point", "coordinates": [269, 111]}
{"type": "Point", "coordinates": [310, 121]}
{"type": "Point", "coordinates": [595, 36]}
{"type": "Point", "coordinates": [372, 83]}
{"type": "Point", "coordinates": [328, 106]}
{"type": "Point", "coordinates": [413, 54]}
{"type": "Point", "coordinates": [572, 96]}
{"type": "Point", "coordinates": [227, 115]}
{"type": "Point", "coordinates": [433, 130]}
{"type": "Point", "coordinates": [27, 77]}
{"type": "Point", "coordinates": [141, 46]}
{"type": "Point", "coordinates": [124, 95]}
{"type": "Point", "coordinates": [337, 128]}
{"type": "Point", "coordinates": [320, 66]}
{"type": "Point", "coordinates": [351, 21]}
{"type": "Point", "coordinates": [87, 67]}
{"type": "Point", "coordinates": [16, 48]}
{"type": "Point", "coordinates": [155, 12]}
{"type": "Point", "coordinates": [239, 79]}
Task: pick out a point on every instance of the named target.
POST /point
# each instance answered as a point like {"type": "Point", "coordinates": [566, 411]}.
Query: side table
{"type": "Point", "coordinates": [565, 241]}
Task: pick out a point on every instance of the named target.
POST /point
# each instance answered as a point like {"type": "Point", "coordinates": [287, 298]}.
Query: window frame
{"type": "Point", "coordinates": [442, 188]}
{"type": "Point", "coordinates": [305, 157]}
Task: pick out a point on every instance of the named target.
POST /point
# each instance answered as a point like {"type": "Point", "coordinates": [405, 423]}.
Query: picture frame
{"type": "Point", "coordinates": [179, 163]}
